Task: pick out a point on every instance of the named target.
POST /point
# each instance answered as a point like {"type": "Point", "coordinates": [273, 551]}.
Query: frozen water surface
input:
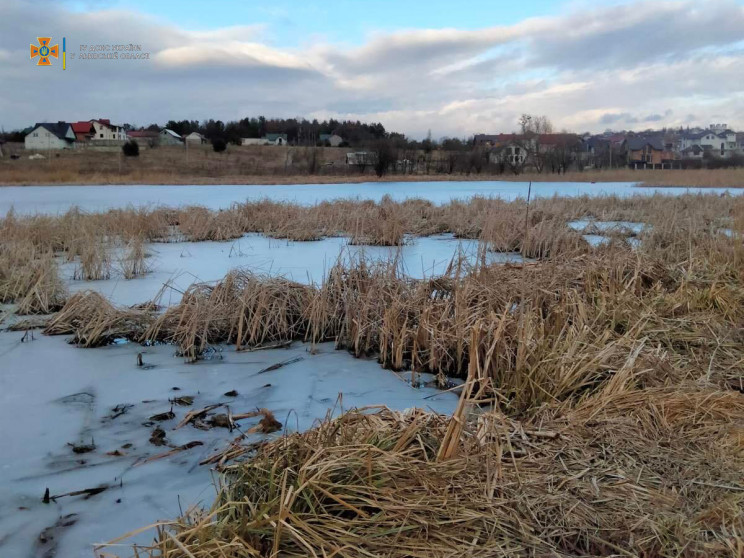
{"type": "Point", "coordinates": [52, 395]}
{"type": "Point", "coordinates": [607, 226]}
{"type": "Point", "coordinates": [180, 264]}
{"type": "Point", "coordinates": [57, 199]}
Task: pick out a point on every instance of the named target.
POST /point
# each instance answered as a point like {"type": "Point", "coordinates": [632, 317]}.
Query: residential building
{"type": "Point", "coordinates": [268, 139]}
{"type": "Point", "coordinates": [489, 140]}
{"type": "Point", "coordinates": [643, 151]}
{"type": "Point", "coordinates": [84, 131]}
{"type": "Point", "coordinates": [718, 140]}
{"type": "Point", "coordinates": [252, 141]}
{"type": "Point", "coordinates": [692, 152]}
{"type": "Point", "coordinates": [104, 130]}
{"type": "Point", "coordinates": [169, 137]}
{"type": "Point", "coordinates": [334, 140]}
{"type": "Point", "coordinates": [145, 138]}
{"type": "Point", "coordinates": [50, 135]}
{"type": "Point", "coordinates": [552, 151]}
{"type": "Point", "coordinates": [276, 139]}
{"type": "Point", "coordinates": [506, 149]}
{"type": "Point", "coordinates": [195, 138]}
{"type": "Point", "coordinates": [361, 158]}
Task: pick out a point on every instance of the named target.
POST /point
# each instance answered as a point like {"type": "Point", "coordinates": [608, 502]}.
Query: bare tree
{"type": "Point", "coordinates": [386, 156]}
{"type": "Point", "coordinates": [533, 128]}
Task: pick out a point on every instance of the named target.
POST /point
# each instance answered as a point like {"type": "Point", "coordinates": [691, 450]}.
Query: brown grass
{"type": "Point", "coordinates": [288, 165]}
{"type": "Point", "coordinates": [133, 262]}
{"type": "Point", "coordinates": [94, 321]}
{"type": "Point", "coordinates": [243, 308]}
{"type": "Point", "coordinates": [601, 415]}
{"type": "Point", "coordinates": [578, 481]}
{"type": "Point", "coordinates": [29, 277]}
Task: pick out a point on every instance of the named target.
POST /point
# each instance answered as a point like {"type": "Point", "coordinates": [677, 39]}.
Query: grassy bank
{"type": "Point", "coordinates": [289, 165]}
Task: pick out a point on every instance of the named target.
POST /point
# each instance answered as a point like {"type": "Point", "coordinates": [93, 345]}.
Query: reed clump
{"type": "Point", "coordinates": [565, 482]}
{"type": "Point", "coordinates": [94, 321]}
{"type": "Point", "coordinates": [557, 330]}
{"type": "Point", "coordinates": [244, 308]}
{"type": "Point", "coordinates": [29, 277]}
{"type": "Point", "coordinates": [199, 224]}
{"type": "Point", "coordinates": [133, 262]}
{"type": "Point", "coordinates": [94, 260]}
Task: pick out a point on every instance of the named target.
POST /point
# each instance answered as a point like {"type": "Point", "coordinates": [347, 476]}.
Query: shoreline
{"type": "Point", "coordinates": [642, 179]}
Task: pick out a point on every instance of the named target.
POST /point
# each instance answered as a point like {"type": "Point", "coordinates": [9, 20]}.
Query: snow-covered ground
{"type": "Point", "coordinates": [180, 264]}
{"type": "Point", "coordinates": [53, 395]}
{"type": "Point", "coordinates": [57, 199]}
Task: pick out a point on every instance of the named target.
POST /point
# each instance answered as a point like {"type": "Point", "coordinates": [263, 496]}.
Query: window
{"type": "Point", "coordinates": [36, 134]}
{"type": "Point", "coordinates": [101, 135]}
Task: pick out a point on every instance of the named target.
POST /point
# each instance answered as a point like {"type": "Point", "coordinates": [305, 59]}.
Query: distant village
{"type": "Point", "coordinates": [535, 149]}
{"type": "Point", "coordinates": [716, 145]}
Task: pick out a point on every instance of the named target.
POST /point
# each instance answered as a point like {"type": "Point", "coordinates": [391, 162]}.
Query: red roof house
{"type": "Point", "coordinates": [83, 130]}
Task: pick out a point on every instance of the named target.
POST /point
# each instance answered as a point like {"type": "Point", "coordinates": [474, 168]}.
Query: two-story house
{"type": "Point", "coordinates": [104, 130]}
{"type": "Point", "coordinates": [718, 140]}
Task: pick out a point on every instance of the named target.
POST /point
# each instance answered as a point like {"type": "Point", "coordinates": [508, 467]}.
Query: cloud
{"type": "Point", "coordinates": [641, 64]}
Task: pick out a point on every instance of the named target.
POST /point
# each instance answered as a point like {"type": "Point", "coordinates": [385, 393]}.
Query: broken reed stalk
{"type": "Point", "coordinates": [527, 219]}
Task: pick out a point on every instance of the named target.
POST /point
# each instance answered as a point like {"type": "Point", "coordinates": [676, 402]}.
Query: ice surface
{"type": "Point", "coordinates": [607, 226]}
{"type": "Point", "coordinates": [52, 394]}
{"type": "Point", "coordinates": [57, 199]}
{"type": "Point", "coordinates": [182, 263]}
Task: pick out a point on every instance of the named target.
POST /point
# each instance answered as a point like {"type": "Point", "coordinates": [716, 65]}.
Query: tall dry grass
{"type": "Point", "coordinates": [553, 331]}
{"type": "Point", "coordinates": [652, 472]}
{"type": "Point", "coordinates": [290, 165]}
{"type": "Point", "coordinates": [29, 277]}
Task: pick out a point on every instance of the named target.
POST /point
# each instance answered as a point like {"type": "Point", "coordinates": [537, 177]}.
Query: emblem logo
{"type": "Point", "coordinates": [44, 51]}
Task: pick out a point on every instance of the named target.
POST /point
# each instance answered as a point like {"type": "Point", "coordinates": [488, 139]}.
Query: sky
{"type": "Point", "coordinates": [455, 68]}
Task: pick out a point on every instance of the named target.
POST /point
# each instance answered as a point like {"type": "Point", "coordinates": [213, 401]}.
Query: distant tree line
{"type": "Point", "coordinates": [299, 131]}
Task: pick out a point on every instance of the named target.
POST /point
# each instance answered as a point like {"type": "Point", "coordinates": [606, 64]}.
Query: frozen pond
{"type": "Point", "coordinates": [628, 227]}
{"type": "Point", "coordinates": [53, 395]}
{"type": "Point", "coordinates": [182, 263]}
{"type": "Point", "coordinates": [56, 199]}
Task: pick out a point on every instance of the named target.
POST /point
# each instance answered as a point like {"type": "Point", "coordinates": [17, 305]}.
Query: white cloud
{"type": "Point", "coordinates": [643, 64]}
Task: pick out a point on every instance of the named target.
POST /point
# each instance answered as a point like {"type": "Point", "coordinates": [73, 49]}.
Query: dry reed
{"type": "Point", "coordinates": [655, 472]}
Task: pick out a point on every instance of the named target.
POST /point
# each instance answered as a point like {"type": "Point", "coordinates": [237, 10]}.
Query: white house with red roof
{"type": "Point", "coordinates": [104, 130]}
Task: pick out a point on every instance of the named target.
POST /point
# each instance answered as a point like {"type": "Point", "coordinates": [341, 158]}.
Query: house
{"type": "Point", "coordinates": [268, 139]}
{"type": "Point", "coordinates": [276, 139]}
{"type": "Point", "coordinates": [334, 140]}
{"type": "Point", "coordinates": [84, 131]}
{"type": "Point", "coordinates": [644, 151]}
{"type": "Point", "coordinates": [718, 140]}
{"type": "Point", "coordinates": [169, 137]}
{"type": "Point", "coordinates": [253, 141]}
{"type": "Point", "coordinates": [145, 138]}
{"type": "Point", "coordinates": [508, 149]}
{"type": "Point", "coordinates": [554, 151]}
{"type": "Point", "coordinates": [50, 135]}
{"type": "Point", "coordinates": [489, 140]}
{"type": "Point", "coordinates": [105, 131]}
{"type": "Point", "coordinates": [195, 138]}
{"type": "Point", "coordinates": [693, 152]}
{"type": "Point", "coordinates": [361, 158]}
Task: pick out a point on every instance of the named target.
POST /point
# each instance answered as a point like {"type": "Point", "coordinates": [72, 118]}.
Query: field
{"type": "Point", "coordinates": [290, 165]}
{"type": "Point", "coordinates": [583, 395]}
